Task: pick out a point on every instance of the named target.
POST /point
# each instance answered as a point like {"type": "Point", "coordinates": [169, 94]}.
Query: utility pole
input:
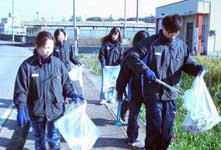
{"type": "Point", "coordinates": [125, 11]}
{"type": "Point", "coordinates": [13, 36]}
{"type": "Point", "coordinates": [137, 16]}
{"type": "Point", "coordinates": [75, 28]}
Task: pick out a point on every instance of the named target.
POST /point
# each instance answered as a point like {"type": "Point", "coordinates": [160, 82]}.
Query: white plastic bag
{"type": "Point", "coordinates": [76, 74]}
{"type": "Point", "coordinates": [76, 127]}
{"type": "Point", "coordinates": [110, 74]}
{"type": "Point", "coordinates": [201, 111]}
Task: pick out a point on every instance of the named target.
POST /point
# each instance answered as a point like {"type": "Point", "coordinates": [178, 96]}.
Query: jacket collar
{"type": "Point", "coordinates": [40, 60]}
{"type": "Point", "coordinates": [165, 40]}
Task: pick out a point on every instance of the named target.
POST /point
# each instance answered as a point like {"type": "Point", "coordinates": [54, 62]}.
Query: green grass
{"type": "Point", "coordinates": [209, 140]}
{"type": "Point", "coordinates": [92, 62]}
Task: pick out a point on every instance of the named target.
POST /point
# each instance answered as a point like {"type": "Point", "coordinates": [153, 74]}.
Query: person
{"type": "Point", "coordinates": [63, 50]}
{"type": "Point", "coordinates": [110, 55]}
{"type": "Point", "coordinates": [125, 76]}
{"type": "Point", "coordinates": [41, 84]}
{"type": "Point", "coordinates": [162, 56]}
{"type": "Point", "coordinates": [134, 95]}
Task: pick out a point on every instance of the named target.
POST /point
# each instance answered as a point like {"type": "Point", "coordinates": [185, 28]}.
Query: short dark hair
{"type": "Point", "coordinates": [173, 23]}
{"type": "Point", "coordinates": [42, 37]}
{"type": "Point", "coordinates": [140, 35]}
{"type": "Point", "coordinates": [57, 32]}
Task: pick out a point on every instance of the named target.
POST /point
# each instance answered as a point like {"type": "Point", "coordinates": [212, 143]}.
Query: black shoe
{"type": "Point", "coordinates": [123, 118]}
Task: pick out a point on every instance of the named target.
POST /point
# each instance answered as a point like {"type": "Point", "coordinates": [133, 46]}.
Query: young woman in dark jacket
{"type": "Point", "coordinates": [134, 94]}
{"type": "Point", "coordinates": [110, 54]}
{"type": "Point", "coordinates": [41, 85]}
{"type": "Point", "coordinates": [63, 49]}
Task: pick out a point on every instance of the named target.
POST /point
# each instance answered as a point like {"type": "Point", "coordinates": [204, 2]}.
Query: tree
{"type": "Point", "coordinates": [78, 19]}
{"type": "Point", "coordinates": [94, 19]}
{"type": "Point", "coordinates": [110, 18]}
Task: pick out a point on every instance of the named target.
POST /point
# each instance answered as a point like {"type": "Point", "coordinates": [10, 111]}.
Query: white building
{"type": "Point", "coordinates": [202, 25]}
{"type": "Point", "coordinates": [18, 27]}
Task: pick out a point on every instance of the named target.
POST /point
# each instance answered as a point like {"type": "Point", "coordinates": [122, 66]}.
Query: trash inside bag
{"type": "Point", "coordinates": [110, 74]}
{"type": "Point", "coordinates": [201, 114]}
{"type": "Point", "coordinates": [76, 127]}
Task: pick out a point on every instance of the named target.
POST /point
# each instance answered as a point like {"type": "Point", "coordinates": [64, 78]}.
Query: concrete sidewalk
{"type": "Point", "coordinates": [96, 80]}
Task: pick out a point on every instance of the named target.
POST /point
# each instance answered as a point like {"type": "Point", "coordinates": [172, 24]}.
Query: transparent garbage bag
{"type": "Point", "coordinates": [76, 75]}
{"type": "Point", "coordinates": [201, 114]}
{"type": "Point", "coordinates": [110, 74]}
{"type": "Point", "coordinates": [77, 128]}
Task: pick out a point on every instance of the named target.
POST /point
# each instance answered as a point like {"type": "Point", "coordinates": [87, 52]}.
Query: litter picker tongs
{"type": "Point", "coordinates": [168, 86]}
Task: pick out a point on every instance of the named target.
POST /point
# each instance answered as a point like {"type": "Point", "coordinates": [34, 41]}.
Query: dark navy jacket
{"type": "Point", "coordinates": [65, 52]}
{"type": "Point", "coordinates": [127, 77]}
{"type": "Point", "coordinates": [110, 53]}
{"type": "Point", "coordinates": [167, 58]}
{"type": "Point", "coordinates": [42, 87]}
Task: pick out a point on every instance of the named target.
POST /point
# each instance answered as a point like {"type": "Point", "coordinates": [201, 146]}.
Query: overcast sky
{"type": "Point", "coordinates": [85, 8]}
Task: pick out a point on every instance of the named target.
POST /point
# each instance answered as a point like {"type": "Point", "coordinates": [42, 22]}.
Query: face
{"type": "Point", "coordinates": [170, 35]}
{"type": "Point", "coordinates": [115, 36]}
{"type": "Point", "coordinates": [61, 37]}
{"type": "Point", "coordinates": [47, 49]}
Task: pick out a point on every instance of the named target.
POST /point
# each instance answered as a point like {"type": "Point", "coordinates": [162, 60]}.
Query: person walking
{"type": "Point", "coordinates": [162, 56]}
{"type": "Point", "coordinates": [133, 99]}
{"type": "Point", "coordinates": [110, 55]}
{"type": "Point", "coordinates": [63, 49]}
{"type": "Point", "coordinates": [41, 85]}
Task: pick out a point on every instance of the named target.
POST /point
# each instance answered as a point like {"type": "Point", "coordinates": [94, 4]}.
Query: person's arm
{"type": "Point", "coordinates": [68, 90]}
{"type": "Point", "coordinates": [66, 82]}
{"type": "Point", "coordinates": [73, 57]}
{"type": "Point", "coordinates": [101, 55]}
{"type": "Point", "coordinates": [135, 55]}
{"type": "Point", "coordinates": [190, 66]}
{"type": "Point", "coordinates": [121, 50]}
{"type": "Point", "coordinates": [123, 78]}
{"type": "Point", "coordinates": [21, 88]}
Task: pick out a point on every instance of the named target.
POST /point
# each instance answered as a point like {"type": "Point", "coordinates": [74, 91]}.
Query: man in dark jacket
{"type": "Point", "coordinates": [161, 56]}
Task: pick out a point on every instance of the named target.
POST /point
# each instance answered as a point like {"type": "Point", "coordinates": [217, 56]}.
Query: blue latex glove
{"type": "Point", "coordinates": [76, 98]}
{"type": "Point", "coordinates": [150, 75]}
{"type": "Point", "coordinates": [119, 96]}
{"type": "Point", "coordinates": [202, 69]}
{"type": "Point", "coordinates": [102, 65]}
{"type": "Point", "coordinates": [22, 117]}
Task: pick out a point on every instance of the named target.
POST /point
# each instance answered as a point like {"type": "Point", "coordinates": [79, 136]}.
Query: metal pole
{"type": "Point", "coordinates": [137, 17]}
{"type": "Point", "coordinates": [214, 44]}
{"type": "Point", "coordinates": [125, 10]}
{"type": "Point", "coordinates": [13, 36]}
{"type": "Point", "coordinates": [75, 28]}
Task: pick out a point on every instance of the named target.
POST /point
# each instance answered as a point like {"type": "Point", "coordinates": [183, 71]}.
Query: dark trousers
{"type": "Point", "coordinates": [160, 116]}
{"type": "Point", "coordinates": [132, 128]}
{"type": "Point", "coordinates": [124, 108]}
{"type": "Point", "coordinates": [52, 136]}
